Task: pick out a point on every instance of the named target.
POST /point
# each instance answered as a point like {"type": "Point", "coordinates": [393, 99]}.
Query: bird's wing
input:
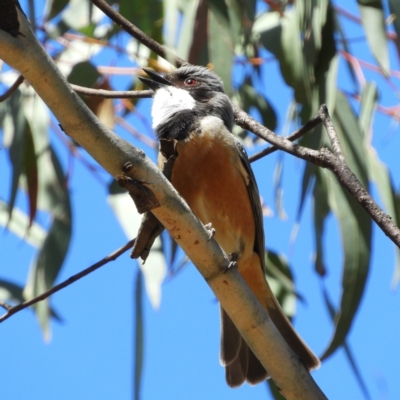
{"type": "Point", "coordinates": [254, 195]}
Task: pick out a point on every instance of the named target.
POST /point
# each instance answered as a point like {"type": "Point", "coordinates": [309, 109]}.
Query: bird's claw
{"type": "Point", "coordinates": [210, 229]}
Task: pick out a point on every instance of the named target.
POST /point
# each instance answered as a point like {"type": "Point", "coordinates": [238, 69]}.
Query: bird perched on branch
{"type": "Point", "coordinates": [212, 173]}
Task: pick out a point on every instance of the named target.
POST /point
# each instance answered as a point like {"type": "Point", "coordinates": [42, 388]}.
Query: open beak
{"type": "Point", "coordinates": [157, 82]}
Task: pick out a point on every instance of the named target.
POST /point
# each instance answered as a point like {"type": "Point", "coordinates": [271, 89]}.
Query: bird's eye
{"type": "Point", "coordinates": [190, 82]}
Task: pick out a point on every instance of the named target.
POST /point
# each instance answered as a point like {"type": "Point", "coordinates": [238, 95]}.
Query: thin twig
{"type": "Point", "coordinates": [330, 129]}
{"type": "Point", "coordinates": [12, 89]}
{"type": "Point", "coordinates": [5, 305]}
{"type": "Point", "coordinates": [295, 135]}
{"type": "Point", "coordinates": [137, 33]}
{"type": "Point", "coordinates": [111, 257]}
{"type": "Point", "coordinates": [114, 94]}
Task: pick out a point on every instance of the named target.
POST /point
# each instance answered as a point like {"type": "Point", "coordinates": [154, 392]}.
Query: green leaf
{"type": "Point", "coordinates": [54, 7]}
{"type": "Point", "coordinates": [49, 261]}
{"type": "Point", "coordinates": [20, 226]}
{"type": "Point", "coordinates": [268, 29]}
{"type": "Point", "coordinates": [155, 268]}
{"type": "Point", "coordinates": [321, 211]}
{"type": "Point", "coordinates": [46, 268]}
{"type": "Point", "coordinates": [144, 14]}
{"type": "Point", "coordinates": [373, 20]}
{"type": "Point", "coordinates": [251, 98]}
{"type": "Point", "coordinates": [11, 292]}
{"type": "Point", "coordinates": [198, 52]}
{"type": "Point", "coordinates": [186, 34]}
{"type": "Point", "coordinates": [281, 281]}
{"type": "Point", "coordinates": [282, 37]}
{"type": "Point", "coordinates": [84, 74]}
{"type": "Point", "coordinates": [377, 170]}
{"type": "Point", "coordinates": [278, 189]}
{"type": "Point", "coordinates": [31, 172]}
{"type": "Point", "coordinates": [274, 390]}
{"type": "Point", "coordinates": [18, 139]}
{"type": "Point", "coordinates": [139, 334]}
{"type": "Point", "coordinates": [394, 6]}
{"type": "Point", "coordinates": [347, 350]}
{"type": "Point", "coordinates": [355, 224]}
{"type": "Point", "coordinates": [220, 45]}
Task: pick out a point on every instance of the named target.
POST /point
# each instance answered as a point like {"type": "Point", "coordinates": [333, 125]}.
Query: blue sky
{"type": "Point", "coordinates": [91, 353]}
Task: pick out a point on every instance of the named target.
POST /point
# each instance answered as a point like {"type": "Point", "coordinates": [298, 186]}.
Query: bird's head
{"type": "Point", "coordinates": [185, 96]}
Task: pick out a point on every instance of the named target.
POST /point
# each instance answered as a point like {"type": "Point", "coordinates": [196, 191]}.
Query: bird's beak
{"type": "Point", "coordinates": [157, 82]}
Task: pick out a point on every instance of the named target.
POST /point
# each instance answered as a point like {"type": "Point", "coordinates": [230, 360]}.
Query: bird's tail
{"type": "Point", "coordinates": [240, 362]}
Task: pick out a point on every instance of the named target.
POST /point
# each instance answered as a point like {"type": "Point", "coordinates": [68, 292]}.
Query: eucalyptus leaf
{"type": "Point", "coordinates": [54, 7]}
{"type": "Point", "coordinates": [355, 224]}
{"type": "Point", "coordinates": [220, 45]}
{"type": "Point", "coordinates": [48, 263]}
{"type": "Point", "coordinates": [155, 268]}
{"type": "Point", "coordinates": [373, 20]}
{"type": "Point", "coordinates": [394, 6]}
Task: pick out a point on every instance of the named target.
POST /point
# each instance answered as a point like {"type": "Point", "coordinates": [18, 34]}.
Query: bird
{"type": "Point", "coordinates": [213, 175]}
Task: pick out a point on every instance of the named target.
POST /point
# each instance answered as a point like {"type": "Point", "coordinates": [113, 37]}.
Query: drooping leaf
{"type": "Point", "coordinates": [394, 6]}
{"type": "Point", "coordinates": [187, 30]}
{"type": "Point", "coordinates": [54, 7]}
{"type": "Point", "coordinates": [220, 45]}
{"type": "Point", "coordinates": [251, 98]}
{"type": "Point", "coordinates": [373, 20]}
{"type": "Point", "coordinates": [84, 74]}
{"type": "Point", "coordinates": [278, 188]}
{"type": "Point", "coordinates": [155, 268]}
{"type": "Point", "coordinates": [355, 224]}
{"type": "Point", "coordinates": [321, 211]}
{"type": "Point", "coordinates": [17, 143]}
{"type": "Point", "coordinates": [139, 334]}
{"type": "Point", "coordinates": [274, 390]}
{"type": "Point", "coordinates": [144, 14]}
{"type": "Point", "coordinates": [281, 281]}
{"type": "Point", "coordinates": [20, 226]}
{"type": "Point", "coordinates": [347, 350]}
{"type": "Point", "coordinates": [377, 170]}
{"type": "Point", "coordinates": [80, 15]}
{"type": "Point", "coordinates": [281, 35]}
{"type": "Point", "coordinates": [46, 268]}
{"type": "Point", "coordinates": [11, 292]}
{"type": "Point", "coordinates": [346, 48]}
{"type": "Point", "coordinates": [101, 107]}
{"type": "Point", "coordinates": [31, 171]}
{"type": "Point", "coordinates": [49, 261]}
{"type": "Point", "coordinates": [198, 52]}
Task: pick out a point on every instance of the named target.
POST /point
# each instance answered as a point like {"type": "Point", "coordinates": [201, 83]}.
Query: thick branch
{"type": "Point", "coordinates": [113, 256]}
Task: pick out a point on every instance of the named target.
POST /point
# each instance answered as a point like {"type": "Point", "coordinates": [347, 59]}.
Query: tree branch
{"type": "Point", "coordinates": [12, 88]}
{"type": "Point", "coordinates": [25, 54]}
{"type": "Point", "coordinates": [294, 136]}
{"type": "Point", "coordinates": [113, 94]}
{"type": "Point", "coordinates": [138, 34]}
{"type": "Point", "coordinates": [326, 159]}
{"type": "Point", "coordinates": [11, 310]}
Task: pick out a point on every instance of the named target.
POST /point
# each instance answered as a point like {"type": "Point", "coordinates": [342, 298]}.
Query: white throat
{"type": "Point", "coordinates": [168, 101]}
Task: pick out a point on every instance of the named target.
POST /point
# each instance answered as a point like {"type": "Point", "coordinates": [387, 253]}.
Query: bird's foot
{"type": "Point", "coordinates": [210, 229]}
